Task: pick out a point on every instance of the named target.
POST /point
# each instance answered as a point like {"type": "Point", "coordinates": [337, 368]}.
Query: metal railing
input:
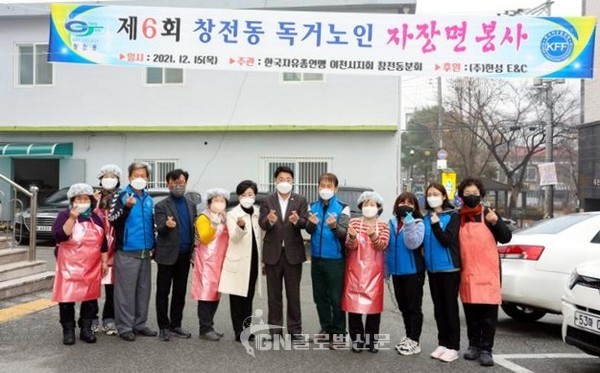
{"type": "Point", "coordinates": [32, 193]}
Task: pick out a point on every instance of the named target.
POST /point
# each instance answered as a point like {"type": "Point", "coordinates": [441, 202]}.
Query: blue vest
{"type": "Point", "coordinates": [323, 242]}
{"type": "Point", "coordinates": [438, 258]}
{"type": "Point", "coordinates": [400, 259]}
{"type": "Point", "coordinates": [139, 226]}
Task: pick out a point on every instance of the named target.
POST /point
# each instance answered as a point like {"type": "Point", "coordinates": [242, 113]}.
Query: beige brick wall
{"type": "Point", "coordinates": [592, 87]}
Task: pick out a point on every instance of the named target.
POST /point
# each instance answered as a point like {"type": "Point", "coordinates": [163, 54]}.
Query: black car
{"type": "Point", "coordinates": [48, 211]}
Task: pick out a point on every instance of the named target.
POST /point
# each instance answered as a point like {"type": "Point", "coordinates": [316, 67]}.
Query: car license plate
{"type": "Point", "coordinates": [587, 321]}
{"type": "Point", "coordinates": [43, 228]}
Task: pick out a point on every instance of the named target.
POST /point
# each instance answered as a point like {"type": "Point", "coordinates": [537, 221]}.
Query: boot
{"type": "Point", "coordinates": [85, 333]}
{"type": "Point", "coordinates": [68, 333]}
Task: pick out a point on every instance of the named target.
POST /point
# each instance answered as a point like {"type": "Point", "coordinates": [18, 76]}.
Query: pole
{"type": "Point", "coordinates": [440, 111]}
{"type": "Point", "coordinates": [548, 156]}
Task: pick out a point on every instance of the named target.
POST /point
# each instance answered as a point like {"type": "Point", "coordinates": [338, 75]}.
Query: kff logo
{"type": "Point", "coordinates": [81, 28]}
{"type": "Point", "coordinates": [557, 46]}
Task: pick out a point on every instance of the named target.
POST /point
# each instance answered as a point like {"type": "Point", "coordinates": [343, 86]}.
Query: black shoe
{"type": "Point", "coordinates": [374, 348]}
{"type": "Point", "coordinates": [146, 332]}
{"type": "Point", "coordinates": [472, 353]}
{"type": "Point", "coordinates": [485, 359]}
{"type": "Point", "coordinates": [68, 336]}
{"type": "Point", "coordinates": [85, 331]}
{"type": "Point", "coordinates": [298, 338]}
{"type": "Point", "coordinates": [180, 333]}
{"type": "Point", "coordinates": [164, 335]}
{"type": "Point", "coordinates": [128, 336]}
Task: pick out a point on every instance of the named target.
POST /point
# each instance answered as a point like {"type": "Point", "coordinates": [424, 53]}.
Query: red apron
{"type": "Point", "coordinates": [480, 274]}
{"type": "Point", "coordinates": [208, 262]}
{"type": "Point", "coordinates": [109, 230]}
{"type": "Point", "coordinates": [78, 264]}
{"type": "Point", "coordinates": [363, 283]}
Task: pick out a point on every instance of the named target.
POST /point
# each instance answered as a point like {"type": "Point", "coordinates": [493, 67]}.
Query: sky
{"type": "Point", "coordinates": [419, 92]}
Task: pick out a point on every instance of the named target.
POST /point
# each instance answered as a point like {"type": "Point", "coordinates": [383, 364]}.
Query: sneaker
{"type": "Point", "coordinates": [472, 353]}
{"type": "Point", "coordinates": [401, 343]}
{"type": "Point", "coordinates": [410, 348]}
{"type": "Point", "coordinates": [164, 335]}
{"type": "Point", "coordinates": [449, 356]}
{"type": "Point", "coordinates": [95, 326]}
{"type": "Point", "coordinates": [109, 329]}
{"type": "Point", "coordinates": [485, 359]}
{"type": "Point", "coordinates": [210, 336]}
{"type": "Point", "coordinates": [439, 351]}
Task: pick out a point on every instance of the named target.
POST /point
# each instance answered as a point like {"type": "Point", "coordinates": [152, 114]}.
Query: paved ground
{"type": "Point", "coordinates": [32, 343]}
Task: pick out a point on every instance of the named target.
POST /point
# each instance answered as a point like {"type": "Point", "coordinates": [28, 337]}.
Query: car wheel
{"type": "Point", "coordinates": [520, 312]}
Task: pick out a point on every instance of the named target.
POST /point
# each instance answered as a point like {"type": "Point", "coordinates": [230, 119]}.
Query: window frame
{"type": "Point", "coordinates": [163, 76]}
{"type": "Point", "coordinates": [158, 181]}
{"type": "Point", "coordinates": [267, 183]}
{"type": "Point", "coordinates": [17, 65]}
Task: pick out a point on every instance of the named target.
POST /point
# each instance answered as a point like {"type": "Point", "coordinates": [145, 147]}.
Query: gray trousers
{"type": "Point", "coordinates": [132, 290]}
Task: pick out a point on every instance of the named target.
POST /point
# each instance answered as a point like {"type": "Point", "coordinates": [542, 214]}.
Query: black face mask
{"type": "Point", "coordinates": [401, 211]}
{"type": "Point", "coordinates": [471, 201]}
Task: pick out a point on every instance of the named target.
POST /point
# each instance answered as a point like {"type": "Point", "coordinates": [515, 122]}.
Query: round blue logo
{"type": "Point", "coordinates": [557, 46]}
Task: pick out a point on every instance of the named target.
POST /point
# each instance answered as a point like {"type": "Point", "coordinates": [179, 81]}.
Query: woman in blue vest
{"type": "Point", "coordinates": [406, 265]}
{"type": "Point", "coordinates": [442, 260]}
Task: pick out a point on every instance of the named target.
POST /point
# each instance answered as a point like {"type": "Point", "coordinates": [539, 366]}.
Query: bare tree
{"type": "Point", "coordinates": [487, 120]}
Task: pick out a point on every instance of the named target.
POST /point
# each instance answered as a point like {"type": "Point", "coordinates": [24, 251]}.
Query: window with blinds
{"type": "Point", "coordinates": [159, 168]}
{"type": "Point", "coordinates": [306, 173]}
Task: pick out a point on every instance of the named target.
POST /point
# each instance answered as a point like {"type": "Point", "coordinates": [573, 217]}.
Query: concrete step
{"type": "Point", "coordinates": [5, 242]}
{"type": "Point", "coordinates": [27, 284]}
{"type": "Point", "coordinates": [21, 269]}
{"type": "Point", "coordinates": [12, 255]}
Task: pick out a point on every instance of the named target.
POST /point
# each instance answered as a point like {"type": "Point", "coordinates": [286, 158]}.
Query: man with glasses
{"type": "Point", "coordinates": [174, 217]}
{"type": "Point", "coordinates": [283, 215]}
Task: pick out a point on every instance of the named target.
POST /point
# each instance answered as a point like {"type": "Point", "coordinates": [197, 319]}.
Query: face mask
{"type": "Point", "coordinates": [138, 183]}
{"type": "Point", "coordinates": [247, 202]}
{"type": "Point", "coordinates": [370, 211]}
{"type": "Point", "coordinates": [82, 207]}
{"type": "Point", "coordinates": [109, 183]}
{"type": "Point", "coordinates": [178, 191]}
{"type": "Point", "coordinates": [217, 207]}
{"type": "Point", "coordinates": [401, 211]}
{"type": "Point", "coordinates": [471, 201]}
{"type": "Point", "coordinates": [284, 187]}
{"type": "Point", "coordinates": [435, 201]}
{"type": "Point", "coordinates": [326, 193]}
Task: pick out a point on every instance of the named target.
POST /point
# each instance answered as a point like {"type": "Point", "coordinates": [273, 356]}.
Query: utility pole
{"type": "Point", "coordinates": [440, 111]}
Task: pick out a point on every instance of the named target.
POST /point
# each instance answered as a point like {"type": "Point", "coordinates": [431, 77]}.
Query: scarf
{"type": "Point", "coordinates": [468, 214]}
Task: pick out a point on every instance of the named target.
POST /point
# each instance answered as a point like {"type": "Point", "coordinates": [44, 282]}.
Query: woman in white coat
{"type": "Point", "coordinates": [241, 269]}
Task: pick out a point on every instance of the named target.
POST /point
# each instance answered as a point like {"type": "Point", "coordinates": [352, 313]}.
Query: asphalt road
{"type": "Point", "coordinates": [32, 343]}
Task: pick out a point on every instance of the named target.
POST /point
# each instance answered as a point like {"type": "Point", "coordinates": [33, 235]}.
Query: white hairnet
{"type": "Point", "coordinates": [209, 194]}
{"type": "Point", "coordinates": [109, 169]}
{"type": "Point", "coordinates": [80, 189]}
{"type": "Point", "coordinates": [374, 196]}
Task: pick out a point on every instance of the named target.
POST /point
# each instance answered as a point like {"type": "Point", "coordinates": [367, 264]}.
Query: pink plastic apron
{"type": "Point", "coordinates": [208, 262]}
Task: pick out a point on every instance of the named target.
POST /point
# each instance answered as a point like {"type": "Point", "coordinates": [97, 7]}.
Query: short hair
{"type": "Point", "coordinates": [139, 165]}
{"type": "Point", "coordinates": [328, 176]}
{"type": "Point", "coordinates": [281, 169]}
{"type": "Point", "coordinates": [468, 182]}
{"type": "Point", "coordinates": [244, 185]}
{"type": "Point", "coordinates": [445, 203]}
{"type": "Point", "coordinates": [410, 197]}
{"type": "Point", "coordinates": [176, 174]}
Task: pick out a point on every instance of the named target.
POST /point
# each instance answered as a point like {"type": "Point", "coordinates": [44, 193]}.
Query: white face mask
{"type": "Point", "coordinates": [138, 183]}
{"type": "Point", "coordinates": [217, 207]}
{"type": "Point", "coordinates": [370, 211]}
{"type": "Point", "coordinates": [435, 201]}
{"type": "Point", "coordinates": [109, 183]}
{"type": "Point", "coordinates": [82, 207]}
{"type": "Point", "coordinates": [247, 202]}
{"type": "Point", "coordinates": [326, 193]}
{"type": "Point", "coordinates": [284, 187]}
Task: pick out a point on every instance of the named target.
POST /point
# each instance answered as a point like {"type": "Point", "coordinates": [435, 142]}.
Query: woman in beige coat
{"type": "Point", "coordinates": [241, 269]}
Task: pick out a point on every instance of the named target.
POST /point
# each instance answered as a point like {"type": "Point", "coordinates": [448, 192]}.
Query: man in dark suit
{"type": "Point", "coordinates": [282, 215]}
{"type": "Point", "coordinates": [175, 226]}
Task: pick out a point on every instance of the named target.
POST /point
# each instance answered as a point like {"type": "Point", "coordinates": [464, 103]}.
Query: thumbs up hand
{"type": "Point", "coordinates": [170, 223]}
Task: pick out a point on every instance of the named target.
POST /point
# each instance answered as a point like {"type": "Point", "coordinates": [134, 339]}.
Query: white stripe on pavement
{"type": "Point", "coordinates": [503, 360]}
